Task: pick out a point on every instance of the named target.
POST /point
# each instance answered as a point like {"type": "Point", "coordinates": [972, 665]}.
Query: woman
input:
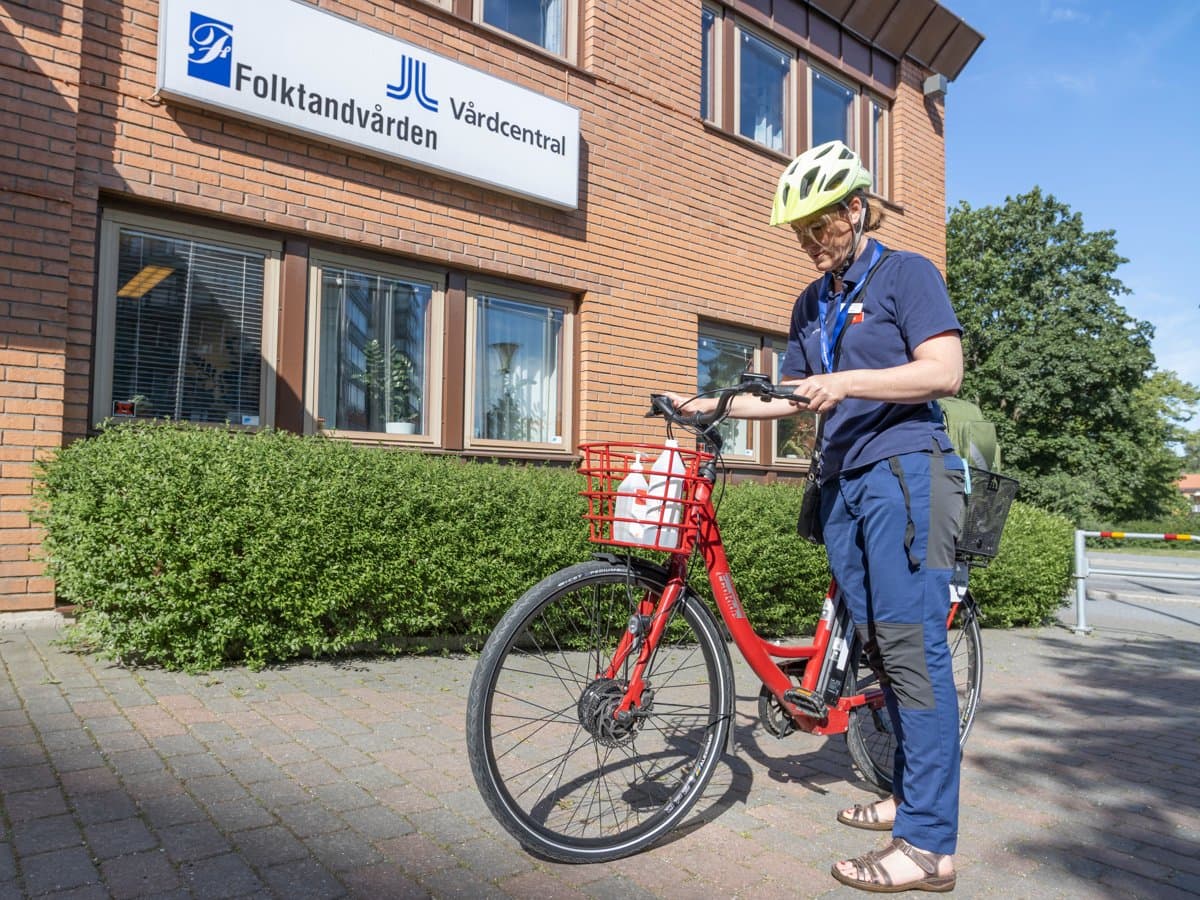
{"type": "Point", "coordinates": [873, 343]}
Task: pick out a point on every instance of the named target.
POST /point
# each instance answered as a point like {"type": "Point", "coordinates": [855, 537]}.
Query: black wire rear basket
{"type": "Point", "coordinates": [987, 510]}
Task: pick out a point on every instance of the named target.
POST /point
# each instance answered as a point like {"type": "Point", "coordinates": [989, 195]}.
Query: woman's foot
{"type": "Point", "coordinates": [877, 816]}
{"type": "Point", "coordinates": [897, 867]}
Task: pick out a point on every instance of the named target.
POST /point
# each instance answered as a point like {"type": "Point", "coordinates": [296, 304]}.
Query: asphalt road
{"type": "Point", "coordinates": [1144, 585]}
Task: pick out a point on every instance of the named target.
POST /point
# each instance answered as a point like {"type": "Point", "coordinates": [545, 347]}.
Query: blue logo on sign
{"type": "Point", "coordinates": [210, 50]}
{"type": "Point", "coordinates": [412, 82]}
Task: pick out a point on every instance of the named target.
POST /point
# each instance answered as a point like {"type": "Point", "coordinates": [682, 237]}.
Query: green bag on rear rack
{"type": "Point", "coordinates": [973, 436]}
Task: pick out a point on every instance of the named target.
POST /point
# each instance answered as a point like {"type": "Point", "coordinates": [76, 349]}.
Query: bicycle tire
{"type": "Point", "coordinates": [557, 771]}
{"type": "Point", "coordinates": [869, 737]}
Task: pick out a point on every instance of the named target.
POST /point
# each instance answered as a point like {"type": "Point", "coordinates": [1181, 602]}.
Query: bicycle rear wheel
{"type": "Point", "coordinates": [870, 738]}
{"type": "Point", "coordinates": [564, 776]}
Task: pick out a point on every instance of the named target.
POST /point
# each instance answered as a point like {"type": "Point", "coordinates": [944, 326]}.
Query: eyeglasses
{"type": "Point", "coordinates": [817, 230]}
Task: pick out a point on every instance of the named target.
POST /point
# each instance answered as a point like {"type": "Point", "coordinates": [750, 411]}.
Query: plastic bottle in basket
{"type": "Point", "coordinates": [632, 504]}
{"type": "Point", "coordinates": [666, 485]}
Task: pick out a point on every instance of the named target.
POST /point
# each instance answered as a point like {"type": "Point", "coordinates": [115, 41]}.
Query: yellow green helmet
{"type": "Point", "coordinates": [816, 179]}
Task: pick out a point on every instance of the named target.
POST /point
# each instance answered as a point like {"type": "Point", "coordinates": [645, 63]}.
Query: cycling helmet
{"type": "Point", "coordinates": [817, 179]}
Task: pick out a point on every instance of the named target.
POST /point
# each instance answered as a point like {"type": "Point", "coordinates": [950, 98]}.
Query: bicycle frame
{"type": "Point", "coordinates": [834, 644]}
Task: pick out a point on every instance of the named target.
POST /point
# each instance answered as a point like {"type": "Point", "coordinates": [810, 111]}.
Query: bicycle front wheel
{"type": "Point", "coordinates": [565, 775]}
{"type": "Point", "coordinates": [870, 738]}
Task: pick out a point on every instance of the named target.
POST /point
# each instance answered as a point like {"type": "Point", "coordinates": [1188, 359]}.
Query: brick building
{"type": "Point", "coordinates": [483, 227]}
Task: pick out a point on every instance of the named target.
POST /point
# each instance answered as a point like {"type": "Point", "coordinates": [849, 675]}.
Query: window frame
{"type": "Point", "coordinates": [565, 375]}
{"type": "Point", "coordinates": [790, 108]}
{"type": "Point", "coordinates": [318, 260]}
{"type": "Point", "coordinates": [104, 345]}
{"type": "Point", "coordinates": [570, 25]}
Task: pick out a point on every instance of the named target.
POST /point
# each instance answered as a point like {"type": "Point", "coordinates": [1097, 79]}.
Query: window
{"type": "Point", "coordinates": [832, 110]}
{"type": "Point", "coordinates": [519, 369]}
{"type": "Point", "coordinates": [709, 70]}
{"type": "Point", "coordinates": [721, 358]}
{"type": "Point", "coordinates": [375, 361]}
{"type": "Point", "coordinates": [795, 435]}
{"type": "Point", "coordinates": [181, 332]}
{"type": "Point", "coordinates": [541, 22]}
{"type": "Point", "coordinates": [763, 91]}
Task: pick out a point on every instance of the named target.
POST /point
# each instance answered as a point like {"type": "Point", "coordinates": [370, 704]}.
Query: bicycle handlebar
{"type": "Point", "coordinates": [757, 385]}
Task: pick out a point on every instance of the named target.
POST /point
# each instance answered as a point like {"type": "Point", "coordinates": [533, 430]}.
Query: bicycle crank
{"type": "Point", "coordinates": [777, 720]}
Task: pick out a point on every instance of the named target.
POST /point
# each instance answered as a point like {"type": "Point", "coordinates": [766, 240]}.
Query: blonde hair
{"type": "Point", "coordinates": [874, 216]}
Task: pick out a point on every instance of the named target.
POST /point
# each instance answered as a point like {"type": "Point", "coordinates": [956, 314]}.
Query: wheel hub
{"type": "Point", "coordinates": [597, 709]}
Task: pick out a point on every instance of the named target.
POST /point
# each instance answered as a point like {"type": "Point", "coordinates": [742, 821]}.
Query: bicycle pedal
{"type": "Point", "coordinates": [808, 702]}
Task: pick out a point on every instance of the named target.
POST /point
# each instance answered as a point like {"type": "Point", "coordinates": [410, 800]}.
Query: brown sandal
{"type": "Point", "coordinates": [870, 876]}
{"type": "Point", "coordinates": [865, 817]}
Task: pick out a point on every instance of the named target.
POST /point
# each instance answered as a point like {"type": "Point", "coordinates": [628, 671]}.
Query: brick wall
{"type": "Point", "coordinates": [39, 71]}
{"type": "Point", "coordinates": [671, 230]}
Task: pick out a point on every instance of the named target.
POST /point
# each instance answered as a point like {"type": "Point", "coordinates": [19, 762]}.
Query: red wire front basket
{"type": "Point", "coordinates": [658, 514]}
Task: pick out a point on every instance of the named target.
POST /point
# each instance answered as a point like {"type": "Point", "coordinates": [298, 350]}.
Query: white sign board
{"type": "Point", "coordinates": [311, 71]}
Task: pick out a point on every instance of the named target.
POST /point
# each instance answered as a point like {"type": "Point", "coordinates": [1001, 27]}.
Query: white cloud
{"type": "Point", "coordinates": [1075, 82]}
{"type": "Point", "coordinates": [1064, 12]}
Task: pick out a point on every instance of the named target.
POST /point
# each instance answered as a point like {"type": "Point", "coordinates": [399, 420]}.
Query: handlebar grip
{"type": "Point", "coordinates": [661, 405]}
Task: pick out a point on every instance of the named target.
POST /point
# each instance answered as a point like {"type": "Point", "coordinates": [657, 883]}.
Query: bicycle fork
{"type": "Point", "coordinates": [645, 629]}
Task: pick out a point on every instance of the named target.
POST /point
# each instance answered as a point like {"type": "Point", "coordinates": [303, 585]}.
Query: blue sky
{"type": "Point", "coordinates": [1095, 101]}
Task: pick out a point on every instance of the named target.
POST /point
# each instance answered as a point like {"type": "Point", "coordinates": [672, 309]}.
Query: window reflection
{"type": "Point", "coordinates": [832, 110]}
{"type": "Point", "coordinates": [188, 330]}
{"type": "Point", "coordinates": [795, 435]}
{"type": "Point", "coordinates": [762, 91]}
{"type": "Point", "coordinates": [540, 22]}
{"type": "Point", "coordinates": [708, 21]}
{"type": "Point", "coordinates": [518, 386]}
{"type": "Point", "coordinates": [372, 354]}
{"type": "Point", "coordinates": [720, 362]}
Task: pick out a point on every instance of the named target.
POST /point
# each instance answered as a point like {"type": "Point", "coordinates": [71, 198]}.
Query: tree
{"type": "Point", "coordinates": [1066, 374]}
{"type": "Point", "coordinates": [1191, 451]}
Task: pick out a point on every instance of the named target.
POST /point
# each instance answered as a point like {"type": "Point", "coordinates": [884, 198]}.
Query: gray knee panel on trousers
{"type": "Point", "coordinates": [896, 653]}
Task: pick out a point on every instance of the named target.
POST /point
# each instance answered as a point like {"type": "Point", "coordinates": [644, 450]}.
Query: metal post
{"type": "Point", "coordinates": [1081, 573]}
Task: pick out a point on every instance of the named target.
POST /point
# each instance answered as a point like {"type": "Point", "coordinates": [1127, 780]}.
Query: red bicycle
{"type": "Point", "coordinates": [602, 700]}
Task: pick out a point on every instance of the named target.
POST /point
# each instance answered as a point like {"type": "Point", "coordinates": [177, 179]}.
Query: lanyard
{"type": "Point", "coordinates": [829, 339]}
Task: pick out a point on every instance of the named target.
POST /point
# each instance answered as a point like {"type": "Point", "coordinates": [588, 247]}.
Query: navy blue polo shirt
{"type": "Point", "coordinates": [904, 305]}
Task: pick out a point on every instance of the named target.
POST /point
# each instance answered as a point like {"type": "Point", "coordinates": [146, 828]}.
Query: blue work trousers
{"type": "Point", "coordinates": [890, 530]}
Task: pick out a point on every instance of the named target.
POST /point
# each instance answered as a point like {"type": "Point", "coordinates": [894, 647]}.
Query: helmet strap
{"type": "Point", "coordinates": [859, 229]}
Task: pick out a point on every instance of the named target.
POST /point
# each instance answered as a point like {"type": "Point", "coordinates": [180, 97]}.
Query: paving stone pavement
{"type": "Point", "coordinates": [350, 779]}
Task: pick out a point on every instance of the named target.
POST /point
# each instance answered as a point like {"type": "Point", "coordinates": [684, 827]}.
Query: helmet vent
{"type": "Point", "coordinates": [836, 179]}
{"type": "Point", "coordinates": [806, 183]}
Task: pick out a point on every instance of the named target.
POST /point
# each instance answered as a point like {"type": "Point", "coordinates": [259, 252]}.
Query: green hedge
{"type": "Point", "coordinates": [193, 547]}
{"type": "Point", "coordinates": [1030, 577]}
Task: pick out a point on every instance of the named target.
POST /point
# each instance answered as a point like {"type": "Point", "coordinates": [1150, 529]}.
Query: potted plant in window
{"type": "Point", "coordinates": [506, 418]}
{"type": "Point", "coordinates": [390, 380]}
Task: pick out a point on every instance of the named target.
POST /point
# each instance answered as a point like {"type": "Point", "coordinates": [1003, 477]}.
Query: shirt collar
{"type": "Point", "coordinates": [860, 265]}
